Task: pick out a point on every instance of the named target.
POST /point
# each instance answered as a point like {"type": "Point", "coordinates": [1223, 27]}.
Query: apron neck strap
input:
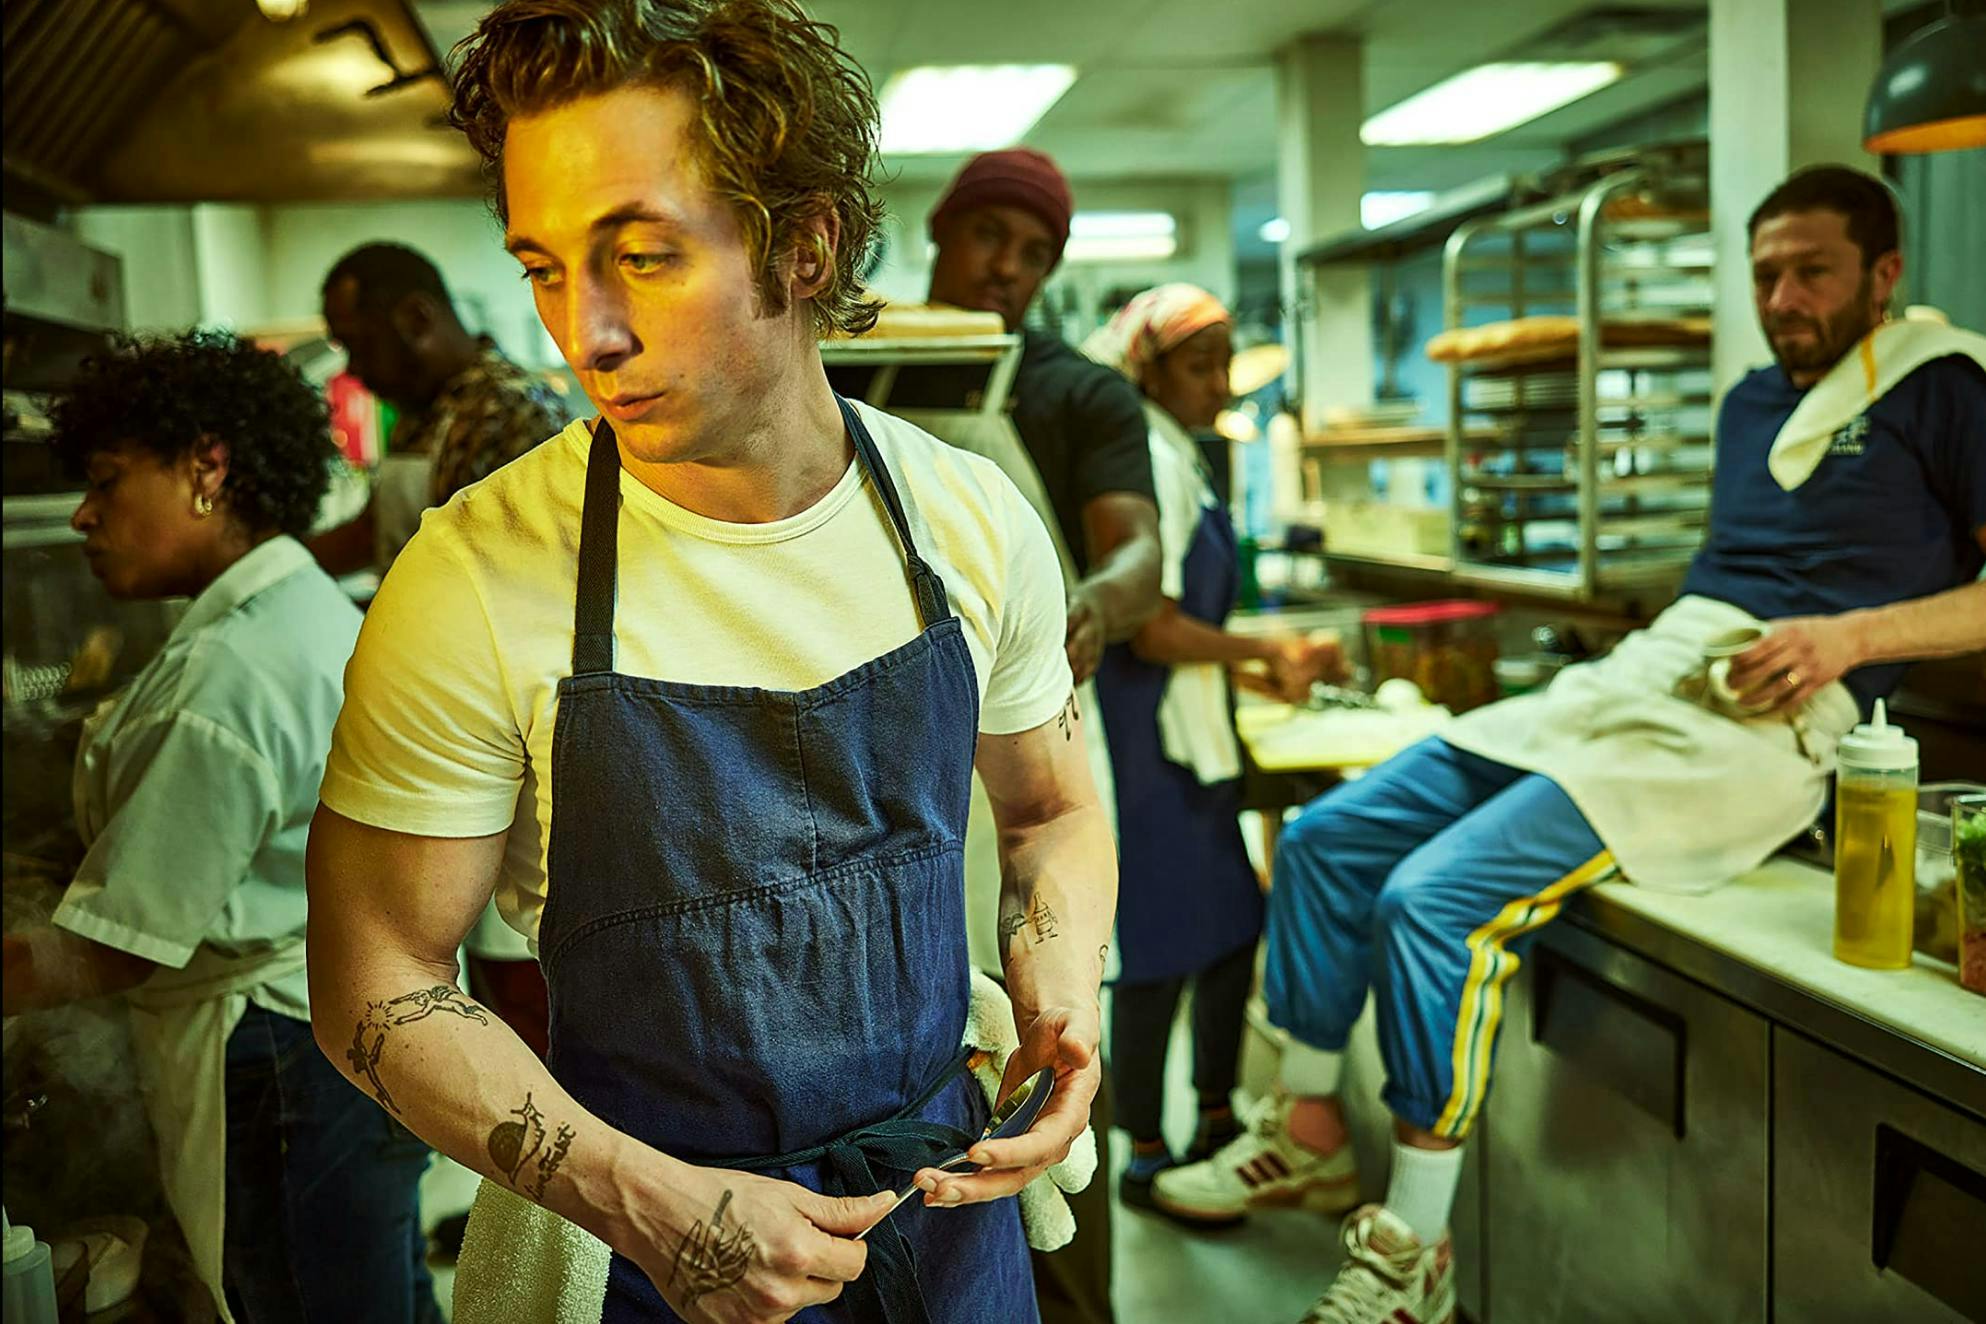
{"type": "Point", "coordinates": [599, 544]}
{"type": "Point", "coordinates": [932, 604]}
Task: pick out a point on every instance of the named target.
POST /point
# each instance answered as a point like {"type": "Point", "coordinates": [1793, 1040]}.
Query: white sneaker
{"type": "Point", "coordinates": [1263, 1167]}
{"type": "Point", "coordinates": [1388, 1276]}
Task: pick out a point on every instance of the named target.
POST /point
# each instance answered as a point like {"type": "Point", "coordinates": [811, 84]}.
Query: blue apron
{"type": "Point", "coordinates": [1186, 893]}
{"type": "Point", "coordinates": [754, 929]}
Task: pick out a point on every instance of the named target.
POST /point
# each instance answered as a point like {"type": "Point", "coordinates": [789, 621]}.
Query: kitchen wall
{"type": "Point", "coordinates": [256, 268]}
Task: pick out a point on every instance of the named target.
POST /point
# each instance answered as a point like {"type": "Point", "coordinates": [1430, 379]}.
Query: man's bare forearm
{"type": "Point", "coordinates": [1940, 625]}
{"type": "Point", "coordinates": [454, 1074]}
{"type": "Point", "coordinates": [1058, 895]}
{"type": "Point", "coordinates": [1124, 584]}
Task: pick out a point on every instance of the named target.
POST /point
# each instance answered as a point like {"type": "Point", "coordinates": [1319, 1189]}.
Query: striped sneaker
{"type": "Point", "coordinates": [1388, 1277]}
{"type": "Point", "coordinates": [1263, 1167]}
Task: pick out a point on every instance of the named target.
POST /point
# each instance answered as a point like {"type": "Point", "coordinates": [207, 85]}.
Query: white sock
{"type": "Point", "coordinates": [1311, 1071]}
{"type": "Point", "coordinates": [1421, 1191]}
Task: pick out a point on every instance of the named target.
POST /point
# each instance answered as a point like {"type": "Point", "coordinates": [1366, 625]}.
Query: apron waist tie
{"type": "Point", "coordinates": [888, 1293]}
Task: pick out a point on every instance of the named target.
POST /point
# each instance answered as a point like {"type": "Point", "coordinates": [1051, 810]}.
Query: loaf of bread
{"type": "Point", "coordinates": [1539, 339]}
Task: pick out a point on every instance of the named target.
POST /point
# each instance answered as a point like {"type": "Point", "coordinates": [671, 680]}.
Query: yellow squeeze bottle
{"type": "Point", "coordinates": [1875, 845]}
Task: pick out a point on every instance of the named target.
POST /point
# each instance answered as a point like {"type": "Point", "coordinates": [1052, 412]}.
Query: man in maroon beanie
{"type": "Point", "coordinates": [1000, 230]}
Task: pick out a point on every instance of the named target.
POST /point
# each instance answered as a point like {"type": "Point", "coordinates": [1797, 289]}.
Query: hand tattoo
{"type": "Point", "coordinates": [1011, 923]}
{"type": "Point", "coordinates": [383, 1016]}
{"type": "Point", "coordinates": [713, 1257]}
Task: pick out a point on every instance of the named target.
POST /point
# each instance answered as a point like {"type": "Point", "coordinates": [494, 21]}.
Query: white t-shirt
{"type": "Point", "coordinates": [451, 695]}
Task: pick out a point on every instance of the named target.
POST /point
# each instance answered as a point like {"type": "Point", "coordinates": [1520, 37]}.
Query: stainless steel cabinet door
{"type": "Point", "coordinates": [1878, 1196]}
{"type": "Point", "coordinates": [1627, 1173]}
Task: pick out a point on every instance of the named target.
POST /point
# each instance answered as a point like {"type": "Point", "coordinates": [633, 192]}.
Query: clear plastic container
{"type": "Point", "coordinates": [1875, 845]}
{"type": "Point", "coordinates": [1969, 857]}
{"type": "Point", "coordinates": [29, 1296]}
{"type": "Point", "coordinates": [1446, 648]}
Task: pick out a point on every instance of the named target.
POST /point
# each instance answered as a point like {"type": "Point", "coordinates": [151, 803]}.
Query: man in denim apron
{"type": "Point", "coordinates": [697, 687]}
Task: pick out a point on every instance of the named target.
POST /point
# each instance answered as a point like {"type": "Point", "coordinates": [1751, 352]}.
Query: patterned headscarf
{"type": "Point", "coordinates": [1152, 324]}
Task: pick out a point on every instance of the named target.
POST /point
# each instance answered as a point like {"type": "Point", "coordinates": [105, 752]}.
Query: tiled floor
{"type": "Point", "coordinates": [1267, 1271]}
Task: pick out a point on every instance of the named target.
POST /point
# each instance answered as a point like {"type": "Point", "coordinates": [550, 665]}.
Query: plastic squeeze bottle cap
{"type": "Point", "coordinates": [20, 1240]}
{"type": "Point", "coordinates": [1878, 746]}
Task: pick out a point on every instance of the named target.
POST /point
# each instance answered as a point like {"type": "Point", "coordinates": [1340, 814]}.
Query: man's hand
{"type": "Point", "coordinates": [1798, 657]}
{"type": "Point", "coordinates": [1084, 638]}
{"type": "Point", "coordinates": [754, 1250]}
{"type": "Point", "coordinates": [1067, 1039]}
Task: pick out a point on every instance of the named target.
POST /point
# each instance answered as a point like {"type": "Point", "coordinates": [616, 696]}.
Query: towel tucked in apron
{"type": "Point", "coordinates": [1683, 797]}
{"type": "Point", "coordinates": [180, 1023]}
{"type": "Point", "coordinates": [521, 1261]}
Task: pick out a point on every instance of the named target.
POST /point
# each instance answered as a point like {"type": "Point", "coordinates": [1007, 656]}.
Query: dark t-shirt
{"type": "Point", "coordinates": [1084, 427]}
{"type": "Point", "coordinates": [1891, 513]}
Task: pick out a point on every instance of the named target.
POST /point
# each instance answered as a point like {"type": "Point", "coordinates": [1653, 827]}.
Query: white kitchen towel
{"type": "Point", "coordinates": [1195, 722]}
{"type": "Point", "coordinates": [1864, 375]}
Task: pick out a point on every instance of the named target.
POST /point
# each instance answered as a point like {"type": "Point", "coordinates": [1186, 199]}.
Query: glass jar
{"type": "Point", "coordinates": [1969, 861]}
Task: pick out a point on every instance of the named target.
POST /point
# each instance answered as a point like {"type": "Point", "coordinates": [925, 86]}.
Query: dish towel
{"type": "Point", "coordinates": [1196, 728]}
{"type": "Point", "coordinates": [521, 1261]}
{"type": "Point", "coordinates": [1864, 375]}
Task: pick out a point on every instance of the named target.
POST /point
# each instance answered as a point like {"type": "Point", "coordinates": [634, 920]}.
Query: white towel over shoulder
{"type": "Point", "coordinates": [1864, 375]}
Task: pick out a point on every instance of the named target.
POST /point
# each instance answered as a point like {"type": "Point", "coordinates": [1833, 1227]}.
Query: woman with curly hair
{"type": "Point", "coordinates": [206, 458]}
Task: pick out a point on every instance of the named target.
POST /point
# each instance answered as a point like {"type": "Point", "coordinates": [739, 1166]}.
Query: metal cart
{"type": "Point", "coordinates": [1586, 475]}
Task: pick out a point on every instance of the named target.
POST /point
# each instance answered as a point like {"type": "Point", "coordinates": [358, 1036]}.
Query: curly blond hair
{"type": "Point", "coordinates": [785, 127]}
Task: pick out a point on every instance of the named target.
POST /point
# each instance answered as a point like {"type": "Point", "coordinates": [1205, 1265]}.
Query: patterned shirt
{"type": "Point", "coordinates": [485, 416]}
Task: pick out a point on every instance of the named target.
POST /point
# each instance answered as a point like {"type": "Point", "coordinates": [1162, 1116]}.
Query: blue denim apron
{"type": "Point", "coordinates": [1187, 895]}
{"type": "Point", "coordinates": [754, 928]}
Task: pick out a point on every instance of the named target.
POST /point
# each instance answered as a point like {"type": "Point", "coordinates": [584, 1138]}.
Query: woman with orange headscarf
{"type": "Point", "coordinates": [1189, 906]}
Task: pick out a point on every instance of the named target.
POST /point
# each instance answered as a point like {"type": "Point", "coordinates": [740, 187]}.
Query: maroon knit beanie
{"type": "Point", "coordinates": [1017, 177]}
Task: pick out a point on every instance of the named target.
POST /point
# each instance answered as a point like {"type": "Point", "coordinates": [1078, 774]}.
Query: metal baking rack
{"type": "Point", "coordinates": [1586, 475]}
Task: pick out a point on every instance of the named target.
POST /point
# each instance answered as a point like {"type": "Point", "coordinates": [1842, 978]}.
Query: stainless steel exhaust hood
{"type": "Point", "coordinates": [120, 101]}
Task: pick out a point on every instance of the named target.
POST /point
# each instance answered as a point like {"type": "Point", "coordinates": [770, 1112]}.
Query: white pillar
{"type": "Point", "coordinates": [1320, 177]}
{"type": "Point", "coordinates": [1787, 83]}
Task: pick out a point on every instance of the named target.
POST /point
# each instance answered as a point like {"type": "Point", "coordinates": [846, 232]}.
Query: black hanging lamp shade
{"type": "Point", "coordinates": [1931, 93]}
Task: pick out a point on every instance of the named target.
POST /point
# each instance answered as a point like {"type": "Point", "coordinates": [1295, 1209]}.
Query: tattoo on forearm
{"type": "Point", "coordinates": [713, 1257]}
{"type": "Point", "coordinates": [1071, 714]}
{"type": "Point", "coordinates": [369, 1035]}
{"type": "Point", "coordinates": [521, 1154]}
{"type": "Point", "coordinates": [1041, 920]}
{"type": "Point", "coordinates": [1033, 917]}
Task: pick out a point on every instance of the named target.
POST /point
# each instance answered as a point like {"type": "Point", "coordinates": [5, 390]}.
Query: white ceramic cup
{"type": "Point", "coordinates": [1718, 652]}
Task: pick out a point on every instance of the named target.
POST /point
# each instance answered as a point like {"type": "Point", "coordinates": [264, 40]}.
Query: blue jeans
{"type": "Point", "coordinates": [323, 1207]}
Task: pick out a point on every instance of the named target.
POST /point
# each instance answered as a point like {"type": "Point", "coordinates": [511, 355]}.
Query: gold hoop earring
{"type": "Point", "coordinates": [203, 505]}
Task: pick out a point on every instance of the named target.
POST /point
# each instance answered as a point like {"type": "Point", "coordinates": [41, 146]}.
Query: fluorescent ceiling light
{"type": "Point", "coordinates": [1122, 236]}
{"type": "Point", "coordinates": [1274, 231]}
{"type": "Point", "coordinates": [1388, 205]}
{"type": "Point", "coordinates": [967, 107]}
{"type": "Point", "coordinates": [1481, 102]}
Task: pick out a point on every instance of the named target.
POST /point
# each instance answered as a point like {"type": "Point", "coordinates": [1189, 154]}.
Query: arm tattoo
{"type": "Point", "coordinates": [1011, 923]}
{"type": "Point", "coordinates": [1042, 920]}
{"type": "Point", "coordinates": [713, 1257]}
{"type": "Point", "coordinates": [1071, 713]}
{"type": "Point", "coordinates": [369, 1036]}
{"type": "Point", "coordinates": [520, 1153]}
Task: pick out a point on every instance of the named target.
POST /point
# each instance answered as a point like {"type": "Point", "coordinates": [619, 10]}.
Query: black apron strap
{"type": "Point", "coordinates": [932, 604]}
{"type": "Point", "coordinates": [599, 557]}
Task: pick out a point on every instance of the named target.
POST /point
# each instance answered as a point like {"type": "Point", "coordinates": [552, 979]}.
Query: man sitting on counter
{"type": "Point", "coordinates": [1848, 511]}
